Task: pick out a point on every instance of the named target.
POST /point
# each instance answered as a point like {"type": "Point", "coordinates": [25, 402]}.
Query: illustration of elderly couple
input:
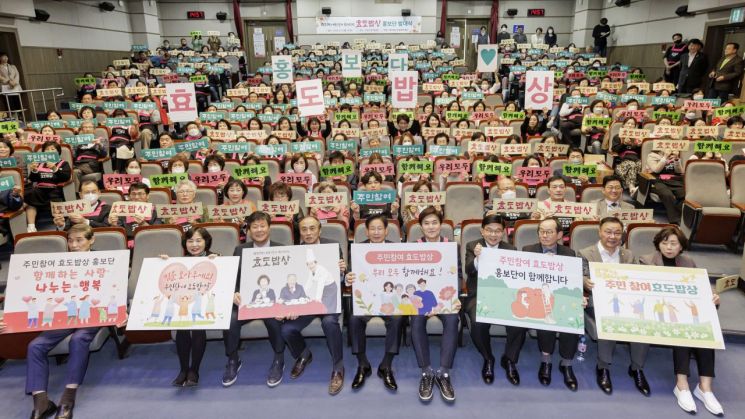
{"type": "Point", "coordinates": [78, 311]}
{"type": "Point", "coordinates": [407, 300]}
{"type": "Point", "coordinates": [658, 309]}
{"type": "Point", "coordinates": [183, 300]}
{"type": "Point", "coordinates": [320, 285]}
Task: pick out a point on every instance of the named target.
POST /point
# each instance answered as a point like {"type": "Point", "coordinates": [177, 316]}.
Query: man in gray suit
{"type": "Point", "coordinates": [726, 73]}
{"type": "Point", "coordinates": [608, 250]}
{"type": "Point", "coordinates": [612, 194]}
{"type": "Point", "coordinates": [258, 232]}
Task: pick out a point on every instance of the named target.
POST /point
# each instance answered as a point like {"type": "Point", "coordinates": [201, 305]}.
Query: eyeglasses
{"type": "Point", "coordinates": [614, 188]}
{"type": "Point", "coordinates": [185, 192]}
{"type": "Point", "coordinates": [493, 232]}
{"type": "Point", "coordinates": [546, 232]}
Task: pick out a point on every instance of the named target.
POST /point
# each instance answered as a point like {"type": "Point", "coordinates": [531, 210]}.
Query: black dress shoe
{"type": "Point", "coordinates": [51, 410]}
{"type": "Point", "coordinates": [65, 411]}
{"type": "Point", "coordinates": [487, 371]}
{"type": "Point", "coordinates": [510, 370]}
{"type": "Point", "coordinates": [640, 381]}
{"type": "Point", "coordinates": [359, 378]}
{"type": "Point", "coordinates": [544, 373]}
{"type": "Point", "coordinates": [179, 380]}
{"type": "Point", "coordinates": [603, 378]}
{"type": "Point", "coordinates": [299, 367]}
{"type": "Point", "coordinates": [388, 379]}
{"type": "Point", "coordinates": [569, 379]}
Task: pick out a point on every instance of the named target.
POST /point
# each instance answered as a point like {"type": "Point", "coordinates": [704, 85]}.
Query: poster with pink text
{"type": "Point", "coordinates": [48, 291]}
{"type": "Point", "coordinates": [184, 293]}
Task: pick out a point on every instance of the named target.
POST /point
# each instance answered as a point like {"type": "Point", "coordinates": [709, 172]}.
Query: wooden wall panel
{"type": "Point", "coordinates": [647, 57]}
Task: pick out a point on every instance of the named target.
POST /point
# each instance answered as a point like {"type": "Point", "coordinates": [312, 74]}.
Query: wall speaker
{"type": "Point", "coordinates": [405, 12]}
{"type": "Point", "coordinates": [511, 12]}
{"type": "Point", "coordinates": [326, 11]}
{"type": "Point", "coordinates": [105, 6]}
{"type": "Point", "coordinates": [621, 3]}
{"type": "Point", "coordinates": [221, 16]}
{"type": "Point", "coordinates": [683, 11]}
{"type": "Point", "coordinates": [41, 15]}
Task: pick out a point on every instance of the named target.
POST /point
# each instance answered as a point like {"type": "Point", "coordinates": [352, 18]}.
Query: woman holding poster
{"type": "Point", "coordinates": [431, 221]}
{"type": "Point", "coordinates": [196, 243]}
{"type": "Point", "coordinates": [670, 242]}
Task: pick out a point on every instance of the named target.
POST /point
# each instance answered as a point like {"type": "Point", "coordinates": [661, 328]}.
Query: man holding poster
{"type": "Point", "coordinates": [492, 235]}
{"type": "Point", "coordinates": [609, 250]}
{"type": "Point", "coordinates": [292, 327]}
{"type": "Point", "coordinates": [376, 228]}
{"type": "Point", "coordinates": [258, 233]}
{"type": "Point", "coordinates": [544, 308]}
{"type": "Point", "coordinates": [79, 239]}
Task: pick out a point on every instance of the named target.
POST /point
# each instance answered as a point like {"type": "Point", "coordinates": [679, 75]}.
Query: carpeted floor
{"type": "Point", "coordinates": [139, 387]}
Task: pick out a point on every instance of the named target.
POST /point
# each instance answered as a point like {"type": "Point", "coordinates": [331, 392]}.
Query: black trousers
{"type": "Point", "coordinates": [566, 127]}
{"type": "Point", "coordinates": [232, 336]}
{"type": "Point", "coordinates": [358, 326]}
{"type": "Point", "coordinates": [190, 343]}
{"type": "Point", "coordinates": [479, 331]}
{"type": "Point", "coordinates": [704, 361]}
{"type": "Point", "coordinates": [292, 334]}
{"type": "Point", "coordinates": [670, 193]}
{"type": "Point", "coordinates": [448, 345]}
{"type": "Point", "coordinates": [546, 343]}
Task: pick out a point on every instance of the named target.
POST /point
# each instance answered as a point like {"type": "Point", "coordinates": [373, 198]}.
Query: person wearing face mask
{"type": "Point", "coordinates": [550, 38]}
{"type": "Point", "coordinates": [596, 135]}
{"type": "Point", "coordinates": [97, 217]}
{"type": "Point", "coordinates": [503, 34]}
{"type": "Point", "coordinates": [673, 57]}
{"type": "Point", "coordinates": [693, 66]}
{"type": "Point", "coordinates": [600, 34]}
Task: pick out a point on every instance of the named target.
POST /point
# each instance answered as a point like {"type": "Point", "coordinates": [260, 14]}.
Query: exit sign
{"type": "Point", "coordinates": [737, 15]}
{"type": "Point", "coordinates": [195, 14]}
{"type": "Point", "coordinates": [536, 12]}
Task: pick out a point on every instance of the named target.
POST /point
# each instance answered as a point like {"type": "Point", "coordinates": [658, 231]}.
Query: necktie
{"type": "Point", "coordinates": [614, 204]}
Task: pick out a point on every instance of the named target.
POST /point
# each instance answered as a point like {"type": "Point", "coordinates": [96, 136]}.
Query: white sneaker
{"type": "Point", "coordinates": [30, 229]}
{"type": "Point", "coordinates": [710, 401]}
{"type": "Point", "coordinates": [685, 400]}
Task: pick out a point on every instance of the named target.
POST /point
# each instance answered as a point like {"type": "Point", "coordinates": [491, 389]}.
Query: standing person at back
{"type": "Point", "coordinates": [673, 57]}
{"type": "Point", "coordinates": [600, 33]}
{"type": "Point", "coordinates": [726, 72]}
{"type": "Point", "coordinates": [693, 66]}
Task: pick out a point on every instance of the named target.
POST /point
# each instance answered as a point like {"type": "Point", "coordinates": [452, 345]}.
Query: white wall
{"type": "Point", "coordinates": [642, 22]}
{"type": "Point", "coordinates": [308, 10]}
{"type": "Point", "coordinates": [77, 24]}
{"type": "Point", "coordinates": [174, 24]}
{"type": "Point", "coordinates": [559, 14]}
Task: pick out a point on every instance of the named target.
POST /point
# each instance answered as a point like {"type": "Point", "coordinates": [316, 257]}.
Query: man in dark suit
{"type": "Point", "coordinates": [292, 328]}
{"type": "Point", "coordinates": [258, 232]}
{"type": "Point", "coordinates": [726, 73]}
{"type": "Point", "coordinates": [693, 66]}
{"type": "Point", "coordinates": [376, 227]}
{"type": "Point", "coordinates": [549, 235]}
{"type": "Point", "coordinates": [492, 235]}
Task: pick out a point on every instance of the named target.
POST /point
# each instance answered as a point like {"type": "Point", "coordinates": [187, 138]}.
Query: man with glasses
{"type": "Point", "coordinates": [292, 328]}
{"type": "Point", "coordinates": [492, 235]}
{"type": "Point", "coordinates": [608, 250]}
{"type": "Point", "coordinates": [612, 194]}
{"type": "Point", "coordinates": [549, 236]}
{"type": "Point", "coordinates": [138, 192]}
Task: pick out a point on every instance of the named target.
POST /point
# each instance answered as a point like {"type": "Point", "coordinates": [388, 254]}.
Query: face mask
{"type": "Point", "coordinates": [598, 111]}
{"type": "Point", "coordinates": [133, 171]}
{"type": "Point", "coordinates": [570, 71]}
{"type": "Point", "coordinates": [576, 161]}
{"type": "Point", "coordinates": [691, 115]}
{"type": "Point", "coordinates": [194, 132]}
{"type": "Point", "coordinates": [698, 97]}
{"type": "Point", "coordinates": [509, 195]}
{"type": "Point", "coordinates": [596, 65]}
{"type": "Point", "coordinates": [550, 31]}
{"type": "Point", "coordinates": [213, 169]}
{"type": "Point", "coordinates": [177, 170]}
{"type": "Point", "coordinates": [631, 107]}
{"type": "Point", "coordinates": [504, 29]}
{"type": "Point", "coordinates": [91, 198]}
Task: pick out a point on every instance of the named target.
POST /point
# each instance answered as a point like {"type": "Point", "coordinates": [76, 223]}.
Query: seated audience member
{"type": "Point", "coordinates": [493, 235]}
{"type": "Point", "coordinates": [48, 179]}
{"type": "Point", "coordinates": [191, 344]}
{"type": "Point", "coordinates": [79, 239]}
{"type": "Point", "coordinates": [332, 212]}
{"type": "Point", "coordinates": [376, 227]}
{"type": "Point", "coordinates": [372, 182]}
{"type": "Point", "coordinates": [138, 192]}
{"type": "Point", "coordinates": [612, 196]}
{"type": "Point", "coordinates": [667, 167]}
{"type": "Point", "coordinates": [97, 217]}
{"type": "Point", "coordinates": [670, 243]}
